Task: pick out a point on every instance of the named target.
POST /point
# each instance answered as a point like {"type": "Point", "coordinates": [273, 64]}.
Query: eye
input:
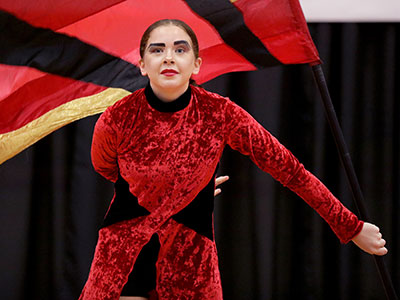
{"type": "Point", "coordinates": [155, 50]}
{"type": "Point", "coordinates": [180, 50]}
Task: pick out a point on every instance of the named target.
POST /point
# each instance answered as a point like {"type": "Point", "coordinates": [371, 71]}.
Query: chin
{"type": "Point", "coordinates": [172, 85]}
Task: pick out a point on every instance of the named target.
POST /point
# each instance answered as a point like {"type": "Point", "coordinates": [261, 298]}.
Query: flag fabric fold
{"type": "Point", "coordinates": [60, 63]}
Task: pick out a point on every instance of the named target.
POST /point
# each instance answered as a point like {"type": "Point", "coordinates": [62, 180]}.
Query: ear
{"type": "Point", "coordinates": [141, 66]}
{"type": "Point", "coordinates": [197, 65]}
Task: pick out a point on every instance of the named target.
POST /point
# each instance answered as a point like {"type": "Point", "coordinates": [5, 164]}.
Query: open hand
{"type": "Point", "coordinates": [370, 240]}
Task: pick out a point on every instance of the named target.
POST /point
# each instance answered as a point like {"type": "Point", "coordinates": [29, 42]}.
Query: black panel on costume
{"type": "Point", "coordinates": [197, 216]}
{"type": "Point", "coordinates": [199, 213]}
{"type": "Point", "coordinates": [143, 278]}
{"type": "Point", "coordinates": [125, 205]}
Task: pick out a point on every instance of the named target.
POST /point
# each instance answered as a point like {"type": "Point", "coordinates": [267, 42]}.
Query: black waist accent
{"type": "Point", "coordinates": [125, 205]}
{"type": "Point", "coordinates": [198, 215]}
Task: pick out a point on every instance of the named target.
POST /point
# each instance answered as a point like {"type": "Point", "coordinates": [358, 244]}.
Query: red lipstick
{"type": "Point", "coordinates": [169, 72]}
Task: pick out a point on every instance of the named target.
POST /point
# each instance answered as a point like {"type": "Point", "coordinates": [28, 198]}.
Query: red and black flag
{"type": "Point", "coordinates": [65, 60]}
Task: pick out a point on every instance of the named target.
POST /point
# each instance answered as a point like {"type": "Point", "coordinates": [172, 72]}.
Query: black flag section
{"type": "Point", "coordinates": [25, 45]}
{"type": "Point", "coordinates": [234, 32]}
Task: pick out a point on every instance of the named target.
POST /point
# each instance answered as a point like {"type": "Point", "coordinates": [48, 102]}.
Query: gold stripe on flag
{"type": "Point", "coordinates": [12, 143]}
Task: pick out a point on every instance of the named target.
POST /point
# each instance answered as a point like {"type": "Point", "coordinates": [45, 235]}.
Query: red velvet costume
{"type": "Point", "coordinates": [168, 153]}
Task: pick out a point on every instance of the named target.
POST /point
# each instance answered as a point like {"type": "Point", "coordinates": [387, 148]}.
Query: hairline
{"type": "Point", "coordinates": [170, 22]}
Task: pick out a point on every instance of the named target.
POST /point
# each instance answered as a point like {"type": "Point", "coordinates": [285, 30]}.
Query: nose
{"type": "Point", "coordinates": [168, 59]}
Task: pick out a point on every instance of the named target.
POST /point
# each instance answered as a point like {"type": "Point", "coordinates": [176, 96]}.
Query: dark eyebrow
{"type": "Point", "coordinates": [156, 45]}
{"type": "Point", "coordinates": [182, 42]}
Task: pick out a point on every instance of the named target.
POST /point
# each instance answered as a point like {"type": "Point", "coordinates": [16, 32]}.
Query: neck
{"type": "Point", "coordinates": [169, 95]}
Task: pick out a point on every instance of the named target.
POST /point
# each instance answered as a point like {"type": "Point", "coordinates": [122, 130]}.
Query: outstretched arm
{"type": "Point", "coordinates": [247, 136]}
{"type": "Point", "coordinates": [370, 240]}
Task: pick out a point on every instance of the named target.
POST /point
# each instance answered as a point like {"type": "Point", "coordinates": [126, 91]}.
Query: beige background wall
{"type": "Point", "coordinates": [351, 10]}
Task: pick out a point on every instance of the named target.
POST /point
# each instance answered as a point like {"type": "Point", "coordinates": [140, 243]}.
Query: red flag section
{"type": "Point", "coordinates": [282, 28]}
{"type": "Point", "coordinates": [65, 60]}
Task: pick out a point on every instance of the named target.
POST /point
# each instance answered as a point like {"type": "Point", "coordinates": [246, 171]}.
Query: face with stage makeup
{"type": "Point", "coordinates": [169, 59]}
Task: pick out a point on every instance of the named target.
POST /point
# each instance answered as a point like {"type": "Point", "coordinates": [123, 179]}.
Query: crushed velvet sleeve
{"type": "Point", "coordinates": [246, 135]}
{"type": "Point", "coordinates": [104, 147]}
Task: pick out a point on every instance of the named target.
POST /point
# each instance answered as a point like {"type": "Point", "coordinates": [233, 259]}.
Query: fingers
{"type": "Point", "coordinates": [220, 180]}
{"type": "Point", "coordinates": [216, 192]}
{"type": "Point", "coordinates": [380, 247]}
{"type": "Point", "coordinates": [374, 228]}
{"type": "Point", "coordinates": [370, 240]}
{"type": "Point", "coordinates": [381, 251]}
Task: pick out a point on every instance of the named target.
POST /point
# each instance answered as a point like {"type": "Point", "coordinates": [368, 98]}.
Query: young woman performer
{"type": "Point", "coordinates": [161, 146]}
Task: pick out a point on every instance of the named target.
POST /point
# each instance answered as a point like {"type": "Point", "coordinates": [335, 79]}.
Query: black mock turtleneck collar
{"type": "Point", "coordinates": [180, 103]}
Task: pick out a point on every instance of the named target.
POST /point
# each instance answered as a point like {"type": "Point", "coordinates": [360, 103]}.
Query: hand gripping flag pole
{"type": "Point", "coordinates": [350, 172]}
